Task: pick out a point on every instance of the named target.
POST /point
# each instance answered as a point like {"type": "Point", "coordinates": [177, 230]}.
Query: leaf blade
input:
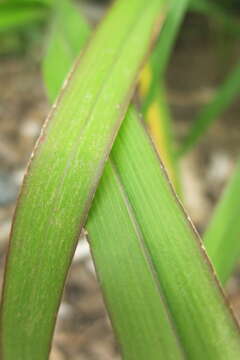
{"type": "Point", "coordinates": [190, 285]}
{"type": "Point", "coordinates": [155, 108]}
{"type": "Point", "coordinates": [224, 96]}
{"type": "Point", "coordinates": [136, 304]}
{"type": "Point", "coordinates": [222, 234]}
{"type": "Point", "coordinates": [69, 33]}
{"type": "Point", "coordinates": [151, 340]}
{"type": "Point", "coordinates": [70, 144]}
{"type": "Point", "coordinates": [13, 16]}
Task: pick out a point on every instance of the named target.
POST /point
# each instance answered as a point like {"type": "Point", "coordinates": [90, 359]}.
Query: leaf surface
{"type": "Point", "coordinates": [224, 96]}
{"type": "Point", "coordinates": [194, 298]}
{"type": "Point", "coordinates": [64, 173]}
{"type": "Point", "coordinates": [17, 15]}
{"type": "Point", "coordinates": [69, 32]}
{"type": "Point", "coordinates": [154, 102]}
{"type": "Point", "coordinates": [222, 236]}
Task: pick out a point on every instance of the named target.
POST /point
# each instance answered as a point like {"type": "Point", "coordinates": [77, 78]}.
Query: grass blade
{"type": "Point", "coordinates": [218, 12]}
{"type": "Point", "coordinates": [64, 173]}
{"type": "Point", "coordinates": [116, 269]}
{"type": "Point", "coordinates": [223, 233]}
{"type": "Point", "coordinates": [149, 312]}
{"type": "Point", "coordinates": [69, 33]}
{"type": "Point", "coordinates": [155, 109]}
{"type": "Point", "coordinates": [182, 268]}
{"type": "Point", "coordinates": [161, 55]}
{"type": "Point", "coordinates": [134, 299]}
{"type": "Point", "coordinates": [226, 94]}
{"type": "Point", "coordinates": [159, 124]}
{"type": "Point", "coordinates": [13, 16]}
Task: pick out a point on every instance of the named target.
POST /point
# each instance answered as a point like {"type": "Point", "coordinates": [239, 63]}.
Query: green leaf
{"type": "Point", "coordinates": [134, 298]}
{"type": "Point", "coordinates": [225, 95]}
{"type": "Point", "coordinates": [155, 107]}
{"type": "Point", "coordinates": [69, 32]}
{"type": "Point", "coordinates": [123, 266]}
{"type": "Point", "coordinates": [161, 55]}
{"type": "Point", "coordinates": [217, 12]}
{"type": "Point", "coordinates": [64, 173]}
{"type": "Point", "coordinates": [222, 237]}
{"type": "Point", "coordinates": [159, 123]}
{"type": "Point", "coordinates": [150, 319]}
{"type": "Point", "coordinates": [195, 301]}
{"type": "Point", "coordinates": [17, 15]}
{"type": "Point", "coordinates": [138, 268]}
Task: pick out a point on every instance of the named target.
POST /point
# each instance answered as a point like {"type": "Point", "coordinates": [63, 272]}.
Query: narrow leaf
{"type": "Point", "coordinates": [225, 95]}
{"type": "Point", "coordinates": [217, 12]}
{"type": "Point", "coordinates": [196, 303]}
{"type": "Point", "coordinates": [64, 173]}
{"type": "Point", "coordinates": [159, 124]}
{"type": "Point", "coordinates": [161, 55]}
{"type": "Point", "coordinates": [13, 16]}
{"type": "Point", "coordinates": [69, 32]}
{"type": "Point", "coordinates": [123, 267]}
{"type": "Point", "coordinates": [132, 293]}
{"type": "Point", "coordinates": [155, 108]}
{"type": "Point", "coordinates": [222, 237]}
{"type": "Point", "coordinates": [148, 319]}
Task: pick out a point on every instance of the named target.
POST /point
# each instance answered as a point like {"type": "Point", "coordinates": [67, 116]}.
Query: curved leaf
{"type": "Point", "coordinates": [64, 172]}
{"type": "Point", "coordinates": [222, 236]}
{"type": "Point", "coordinates": [225, 95]}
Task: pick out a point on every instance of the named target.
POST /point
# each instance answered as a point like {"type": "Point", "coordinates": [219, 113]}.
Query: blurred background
{"type": "Point", "coordinates": [206, 50]}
